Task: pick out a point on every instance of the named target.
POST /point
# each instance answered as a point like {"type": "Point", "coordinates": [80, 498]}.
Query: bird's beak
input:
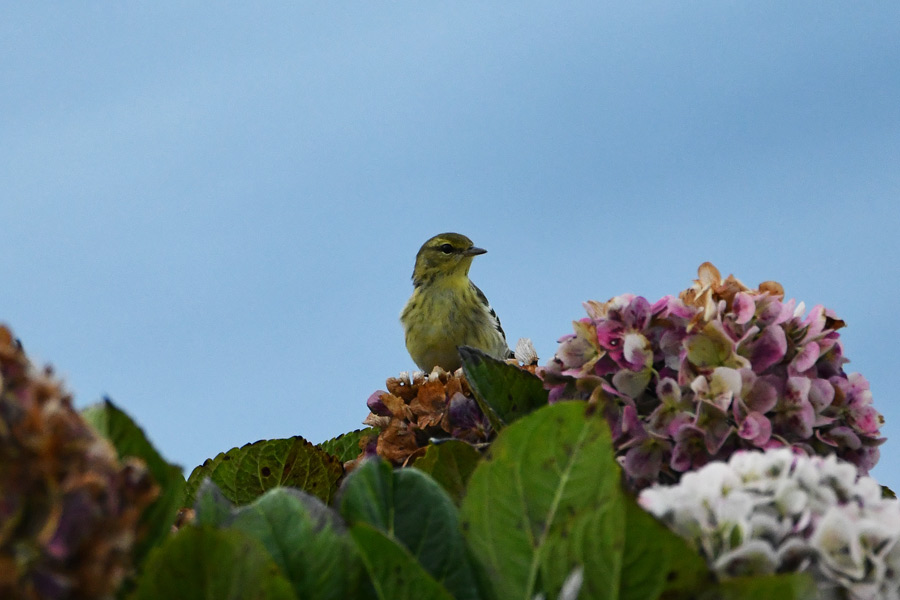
{"type": "Point", "coordinates": [473, 251]}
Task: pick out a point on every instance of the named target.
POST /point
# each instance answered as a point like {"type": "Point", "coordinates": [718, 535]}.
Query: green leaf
{"type": "Point", "coordinates": [243, 474]}
{"type": "Point", "coordinates": [450, 463]}
{"type": "Point", "coordinates": [202, 563]}
{"type": "Point", "coordinates": [547, 500]}
{"type": "Point", "coordinates": [790, 586]}
{"type": "Point", "coordinates": [308, 542]}
{"type": "Point", "coordinates": [212, 507]}
{"type": "Point", "coordinates": [201, 473]}
{"type": "Point", "coordinates": [346, 447]}
{"type": "Point", "coordinates": [394, 572]}
{"type": "Point", "coordinates": [412, 509]}
{"type": "Point", "coordinates": [129, 440]}
{"type": "Point", "coordinates": [656, 561]}
{"type": "Point", "coordinates": [503, 391]}
{"type": "Point", "coordinates": [368, 495]}
{"type": "Point", "coordinates": [542, 479]}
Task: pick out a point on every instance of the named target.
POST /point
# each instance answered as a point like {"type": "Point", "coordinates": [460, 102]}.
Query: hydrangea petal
{"type": "Point", "coordinates": [867, 420]}
{"type": "Point", "coordinates": [632, 426]}
{"type": "Point", "coordinates": [609, 334]}
{"type": "Point", "coordinates": [464, 411]}
{"type": "Point", "coordinates": [838, 545]}
{"type": "Point", "coordinates": [821, 394]}
{"type": "Point", "coordinates": [724, 385]}
{"type": "Point", "coordinates": [713, 421]}
{"type": "Point", "coordinates": [762, 396]}
{"type": "Point", "coordinates": [711, 347]}
{"type": "Point", "coordinates": [814, 323]}
{"type": "Point", "coordinates": [770, 311]}
{"type": "Point", "coordinates": [840, 436]}
{"type": "Point", "coordinates": [636, 351]}
{"type": "Point", "coordinates": [743, 307]}
{"type": "Point", "coordinates": [632, 383]}
{"type": "Point", "coordinates": [637, 314]}
{"type": "Point", "coordinates": [767, 349]}
{"type": "Point", "coordinates": [756, 428]}
{"type": "Point", "coordinates": [756, 557]}
{"type": "Point", "coordinates": [690, 449]}
{"type": "Point", "coordinates": [795, 415]}
{"type": "Point", "coordinates": [377, 405]}
{"type": "Point", "coordinates": [805, 358]}
{"type": "Point", "coordinates": [645, 460]}
{"type": "Point", "coordinates": [668, 391]}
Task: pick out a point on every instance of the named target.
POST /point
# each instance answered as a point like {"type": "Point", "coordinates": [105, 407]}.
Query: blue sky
{"type": "Point", "coordinates": [211, 214]}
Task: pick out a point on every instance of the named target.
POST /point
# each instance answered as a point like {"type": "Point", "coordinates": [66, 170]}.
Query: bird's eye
{"type": "Point", "coordinates": [445, 248]}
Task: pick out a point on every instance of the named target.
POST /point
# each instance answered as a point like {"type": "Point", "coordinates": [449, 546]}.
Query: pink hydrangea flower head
{"type": "Point", "coordinates": [721, 367]}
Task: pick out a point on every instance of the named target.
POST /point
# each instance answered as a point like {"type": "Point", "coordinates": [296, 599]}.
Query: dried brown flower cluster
{"type": "Point", "coordinates": [709, 289]}
{"type": "Point", "coordinates": [69, 509]}
{"type": "Point", "coordinates": [419, 407]}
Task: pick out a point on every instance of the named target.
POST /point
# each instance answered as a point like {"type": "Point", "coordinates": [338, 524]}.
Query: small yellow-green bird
{"type": "Point", "coordinates": [447, 310]}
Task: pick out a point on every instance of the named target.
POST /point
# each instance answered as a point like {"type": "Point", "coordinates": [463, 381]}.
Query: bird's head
{"type": "Point", "coordinates": [444, 255]}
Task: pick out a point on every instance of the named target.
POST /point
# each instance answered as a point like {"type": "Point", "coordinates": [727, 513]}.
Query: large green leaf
{"type": "Point", "coordinates": [203, 563]}
{"type": "Point", "coordinates": [211, 507]}
{"type": "Point", "coordinates": [790, 586]}
{"type": "Point", "coordinates": [394, 571]}
{"type": "Point", "coordinates": [346, 447]}
{"type": "Point", "coordinates": [367, 495]}
{"type": "Point", "coordinates": [202, 472]}
{"type": "Point", "coordinates": [450, 463]}
{"type": "Point", "coordinates": [411, 508]}
{"type": "Point", "coordinates": [656, 562]}
{"type": "Point", "coordinates": [547, 500]}
{"type": "Point", "coordinates": [308, 542]}
{"type": "Point", "coordinates": [129, 440]}
{"type": "Point", "coordinates": [243, 474]}
{"type": "Point", "coordinates": [503, 391]}
{"type": "Point", "coordinates": [307, 539]}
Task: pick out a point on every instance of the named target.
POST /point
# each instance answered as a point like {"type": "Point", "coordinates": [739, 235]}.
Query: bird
{"type": "Point", "coordinates": [446, 310]}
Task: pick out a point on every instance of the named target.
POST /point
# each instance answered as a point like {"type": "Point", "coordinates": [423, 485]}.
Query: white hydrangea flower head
{"type": "Point", "coordinates": [777, 511]}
